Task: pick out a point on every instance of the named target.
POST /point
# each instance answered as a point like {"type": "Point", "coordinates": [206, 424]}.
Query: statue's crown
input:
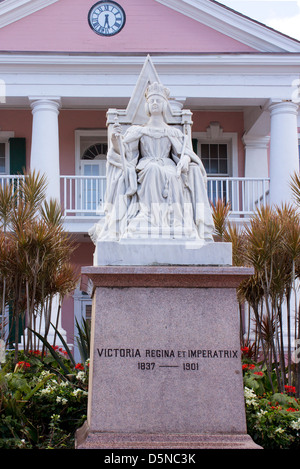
{"type": "Point", "coordinates": [157, 88]}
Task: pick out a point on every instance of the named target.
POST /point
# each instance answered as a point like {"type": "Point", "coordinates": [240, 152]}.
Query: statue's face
{"type": "Point", "coordinates": [156, 104]}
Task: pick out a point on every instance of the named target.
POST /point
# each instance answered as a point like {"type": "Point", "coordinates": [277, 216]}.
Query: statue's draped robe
{"type": "Point", "coordinates": [144, 191]}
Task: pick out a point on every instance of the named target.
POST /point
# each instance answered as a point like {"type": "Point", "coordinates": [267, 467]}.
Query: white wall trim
{"type": "Point", "coordinates": [112, 63]}
{"type": "Point", "coordinates": [6, 135]}
{"type": "Point", "coordinates": [14, 10]}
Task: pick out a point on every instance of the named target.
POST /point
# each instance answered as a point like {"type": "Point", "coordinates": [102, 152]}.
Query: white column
{"type": "Point", "coordinates": [256, 156]}
{"type": "Point", "coordinates": [284, 153]}
{"type": "Point", "coordinates": [45, 142]}
{"type": "Point", "coordinates": [45, 159]}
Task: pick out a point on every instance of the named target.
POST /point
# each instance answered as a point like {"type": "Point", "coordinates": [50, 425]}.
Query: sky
{"type": "Point", "coordinates": [282, 15]}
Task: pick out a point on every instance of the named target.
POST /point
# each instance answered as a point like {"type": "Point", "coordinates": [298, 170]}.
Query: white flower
{"type": "Point", "coordinates": [279, 430]}
{"type": "Point", "coordinates": [50, 387]}
{"type": "Point", "coordinates": [295, 424]}
{"type": "Point", "coordinates": [260, 413]}
{"type": "Point", "coordinates": [61, 400]}
{"type": "Point", "coordinates": [46, 390]}
{"type": "Point", "coordinates": [44, 373]}
{"type": "Point", "coordinates": [81, 376]}
{"type": "Point", "coordinates": [250, 397]}
{"type": "Point", "coordinates": [78, 391]}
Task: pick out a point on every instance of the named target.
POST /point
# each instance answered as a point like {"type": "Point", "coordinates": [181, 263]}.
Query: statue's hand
{"type": "Point", "coordinates": [116, 130]}
{"type": "Point", "coordinates": [183, 165]}
{"type": "Point", "coordinates": [115, 137]}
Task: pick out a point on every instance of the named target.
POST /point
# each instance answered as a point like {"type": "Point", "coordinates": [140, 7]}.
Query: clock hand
{"type": "Point", "coordinates": [106, 23]}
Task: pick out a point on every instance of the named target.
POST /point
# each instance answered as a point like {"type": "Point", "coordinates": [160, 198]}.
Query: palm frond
{"type": "Point", "coordinates": [51, 212]}
{"type": "Point", "coordinates": [295, 187]}
{"type": "Point", "coordinates": [220, 212]}
{"type": "Point", "coordinates": [7, 202]}
{"type": "Point", "coordinates": [235, 235]}
{"type": "Point", "coordinates": [33, 189]}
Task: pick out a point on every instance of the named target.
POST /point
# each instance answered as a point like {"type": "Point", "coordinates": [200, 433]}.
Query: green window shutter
{"type": "Point", "coordinates": [195, 145]}
{"type": "Point", "coordinates": [17, 165]}
{"type": "Point", "coordinates": [17, 155]}
{"type": "Point", "coordinates": [12, 328]}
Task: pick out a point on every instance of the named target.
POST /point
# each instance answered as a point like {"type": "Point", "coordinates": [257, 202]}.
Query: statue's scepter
{"type": "Point", "coordinates": [121, 148]}
{"type": "Point", "coordinates": [184, 144]}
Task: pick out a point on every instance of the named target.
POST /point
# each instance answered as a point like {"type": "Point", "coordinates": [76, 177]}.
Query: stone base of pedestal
{"type": "Point", "coordinates": [165, 367]}
{"type": "Point", "coordinates": [162, 252]}
{"type": "Point", "coordinates": [98, 440]}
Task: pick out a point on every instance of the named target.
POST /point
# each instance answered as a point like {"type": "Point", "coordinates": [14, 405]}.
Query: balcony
{"type": "Point", "coordinates": [244, 195]}
{"type": "Point", "coordinates": [82, 197]}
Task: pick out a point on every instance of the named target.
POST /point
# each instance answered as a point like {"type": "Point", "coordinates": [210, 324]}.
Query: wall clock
{"type": "Point", "coordinates": [106, 18]}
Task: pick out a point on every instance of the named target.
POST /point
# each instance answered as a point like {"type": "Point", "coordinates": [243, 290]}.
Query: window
{"type": "Point", "coordinates": [91, 151]}
{"type": "Point", "coordinates": [218, 153]}
{"type": "Point", "coordinates": [4, 151]}
{"type": "Point", "coordinates": [214, 157]}
{"type": "Point", "coordinates": [95, 151]}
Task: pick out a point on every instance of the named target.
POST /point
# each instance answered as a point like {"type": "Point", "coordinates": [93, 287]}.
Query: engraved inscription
{"type": "Point", "coordinates": [187, 360]}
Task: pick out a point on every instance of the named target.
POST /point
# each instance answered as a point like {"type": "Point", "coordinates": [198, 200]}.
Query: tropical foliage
{"type": "Point", "coordinates": [35, 269]}
{"type": "Point", "coordinates": [269, 304]}
{"type": "Point", "coordinates": [43, 400]}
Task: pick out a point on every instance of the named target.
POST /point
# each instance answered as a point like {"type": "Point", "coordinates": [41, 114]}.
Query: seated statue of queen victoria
{"type": "Point", "coordinates": [156, 185]}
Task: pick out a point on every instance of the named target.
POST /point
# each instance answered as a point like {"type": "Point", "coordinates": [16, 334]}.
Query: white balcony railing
{"type": "Point", "coordinates": [11, 179]}
{"type": "Point", "coordinates": [243, 194]}
{"type": "Point", "coordinates": [83, 196]}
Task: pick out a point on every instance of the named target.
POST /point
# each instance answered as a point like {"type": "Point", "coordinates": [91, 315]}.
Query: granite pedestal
{"type": "Point", "coordinates": [165, 368]}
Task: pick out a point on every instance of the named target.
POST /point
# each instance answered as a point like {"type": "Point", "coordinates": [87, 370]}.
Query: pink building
{"type": "Point", "coordinates": [63, 63]}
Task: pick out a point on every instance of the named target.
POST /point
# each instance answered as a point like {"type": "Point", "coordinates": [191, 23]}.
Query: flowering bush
{"type": "Point", "coordinates": [41, 407]}
{"type": "Point", "coordinates": [273, 418]}
{"type": "Point", "coordinates": [273, 422]}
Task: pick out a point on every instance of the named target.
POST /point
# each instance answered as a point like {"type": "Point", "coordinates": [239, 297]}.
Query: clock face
{"type": "Point", "coordinates": [106, 18]}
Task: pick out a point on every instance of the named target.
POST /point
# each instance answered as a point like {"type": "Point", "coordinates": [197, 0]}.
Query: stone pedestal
{"type": "Point", "coordinates": [165, 367]}
{"type": "Point", "coordinates": [162, 252]}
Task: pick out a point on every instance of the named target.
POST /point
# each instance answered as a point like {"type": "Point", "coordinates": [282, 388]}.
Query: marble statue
{"type": "Point", "coordinates": [156, 184]}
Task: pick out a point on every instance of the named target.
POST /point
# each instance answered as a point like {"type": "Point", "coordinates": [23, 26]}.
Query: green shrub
{"type": "Point", "coordinates": [40, 405]}
{"type": "Point", "coordinates": [273, 425]}
{"type": "Point", "coordinates": [273, 419]}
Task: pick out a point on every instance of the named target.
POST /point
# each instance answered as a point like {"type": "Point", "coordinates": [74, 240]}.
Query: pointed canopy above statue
{"type": "Point", "coordinates": [134, 114]}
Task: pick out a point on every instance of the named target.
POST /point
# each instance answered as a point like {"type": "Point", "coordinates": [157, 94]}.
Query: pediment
{"type": "Point", "coordinates": [208, 20]}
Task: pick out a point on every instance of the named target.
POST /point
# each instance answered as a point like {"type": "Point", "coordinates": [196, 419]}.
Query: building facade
{"type": "Point", "coordinates": [64, 63]}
